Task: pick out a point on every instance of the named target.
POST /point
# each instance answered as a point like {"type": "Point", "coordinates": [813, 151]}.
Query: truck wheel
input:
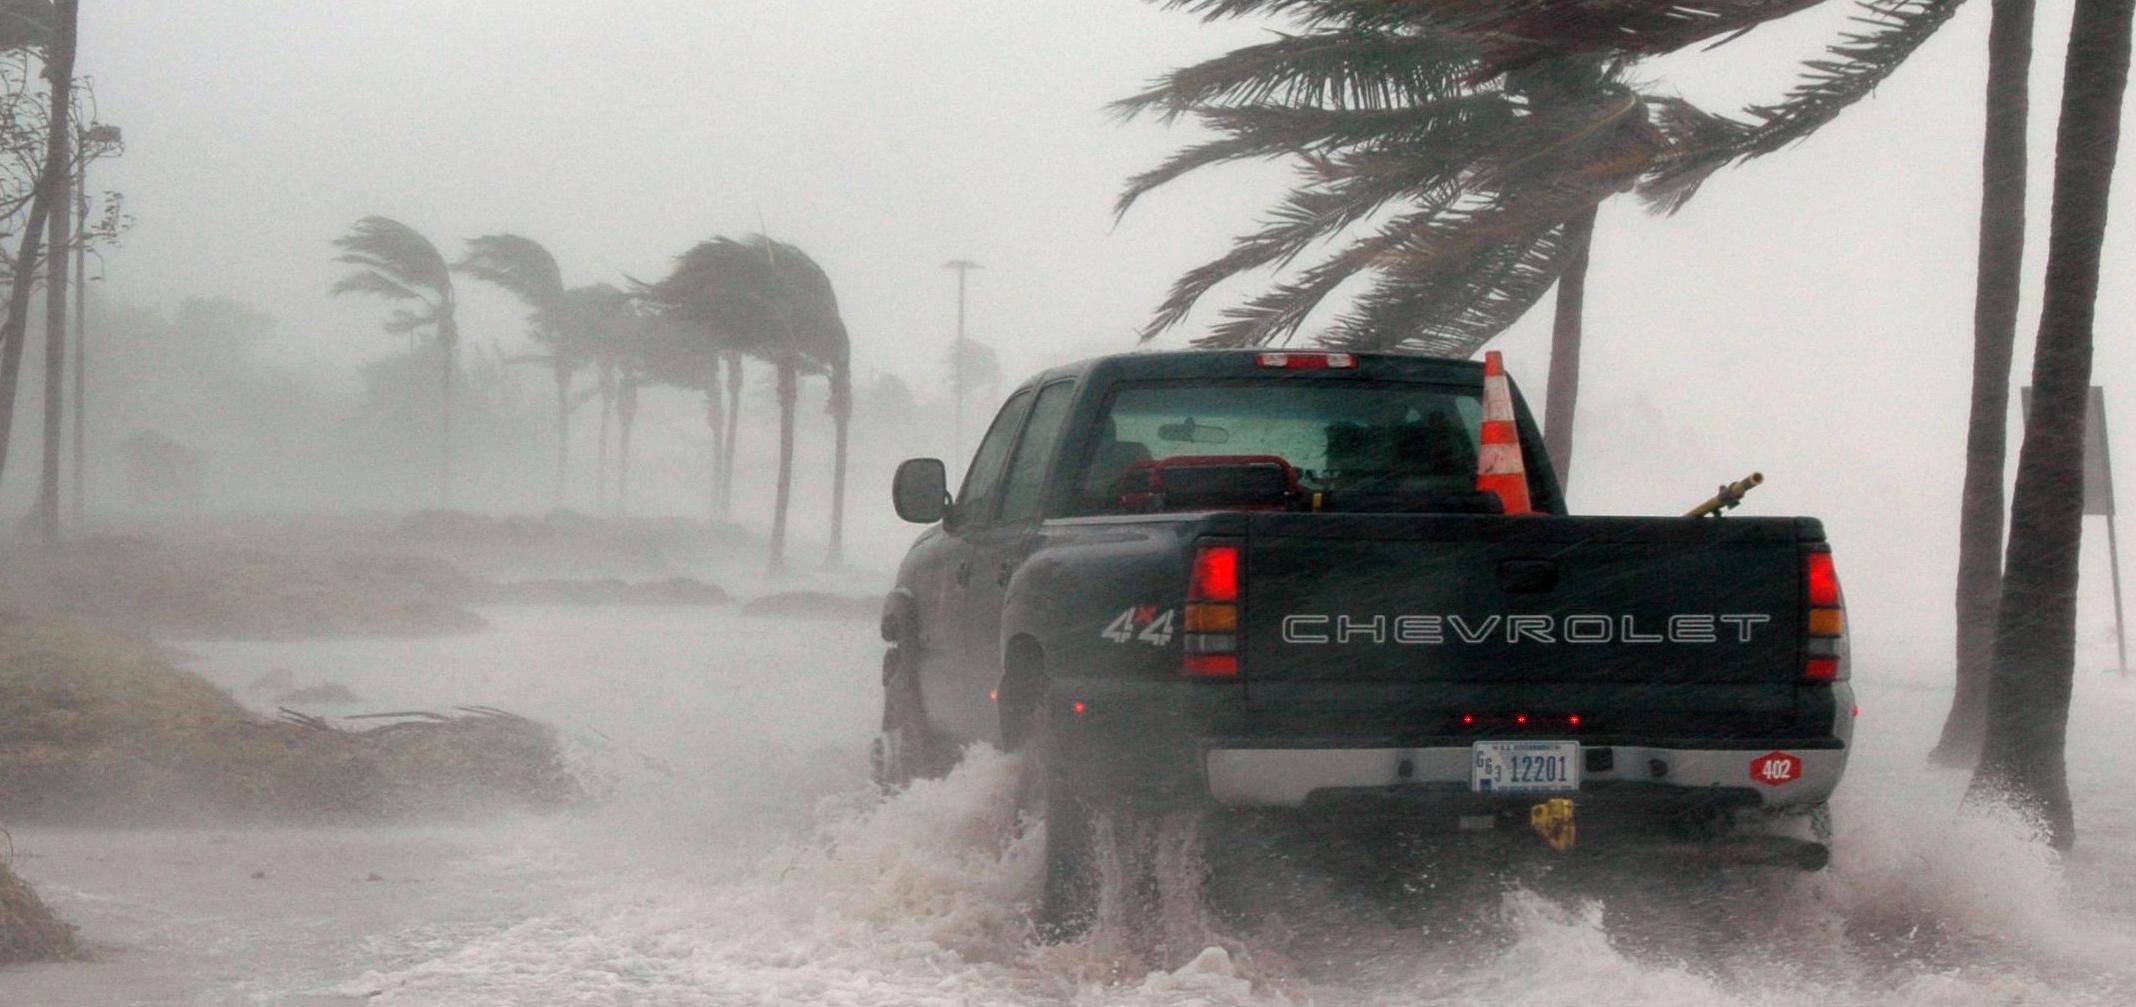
{"type": "Point", "coordinates": [905, 750]}
{"type": "Point", "coordinates": [1068, 902]}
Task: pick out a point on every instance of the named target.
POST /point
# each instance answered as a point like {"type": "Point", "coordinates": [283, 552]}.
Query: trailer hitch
{"type": "Point", "coordinates": [1553, 820]}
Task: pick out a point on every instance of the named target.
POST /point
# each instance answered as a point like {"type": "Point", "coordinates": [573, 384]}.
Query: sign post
{"type": "Point", "coordinates": [2099, 499]}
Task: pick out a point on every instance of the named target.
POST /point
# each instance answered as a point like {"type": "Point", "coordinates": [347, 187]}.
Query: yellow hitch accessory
{"type": "Point", "coordinates": [1552, 820]}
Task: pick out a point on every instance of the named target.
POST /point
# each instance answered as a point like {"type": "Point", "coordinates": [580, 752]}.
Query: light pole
{"type": "Point", "coordinates": [963, 268]}
{"type": "Point", "coordinates": [98, 140]}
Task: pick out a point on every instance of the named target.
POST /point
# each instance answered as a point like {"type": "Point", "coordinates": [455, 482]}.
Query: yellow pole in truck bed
{"type": "Point", "coordinates": [1728, 496]}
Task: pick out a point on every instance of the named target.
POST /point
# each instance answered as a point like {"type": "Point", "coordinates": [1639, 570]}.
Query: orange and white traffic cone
{"type": "Point", "coordinates": [1499, 468]}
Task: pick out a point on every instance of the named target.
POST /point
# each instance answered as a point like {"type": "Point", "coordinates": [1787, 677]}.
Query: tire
{"type": "Point", "coordinates": [1068, 900]}
{"type": "Point", "coordinates": [905, 750]}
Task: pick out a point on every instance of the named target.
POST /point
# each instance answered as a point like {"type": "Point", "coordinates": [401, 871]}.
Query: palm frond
{"type": "Point", "coordinates": [517, 263]}
{"type": "Point", "coordinates": [1268, 131]}
{"type": "Point", "coordinates": [399, 253]}
{"type": "Point", "coordinates": [1345, 68]}
{"type": "Point", "coordinates": [369, 281]}
{"type": "Point", "coordinates": [1862, 59]}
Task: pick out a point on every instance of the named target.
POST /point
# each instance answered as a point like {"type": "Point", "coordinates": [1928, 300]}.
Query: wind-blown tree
{"type": "Point", "coordinates": [568, 323]}
{"type": "Point", "coordinates": [39, 179]}
{"type": "Point", "coordinates": [1456, 153]}
{"type": "Point", "coordinates": [769, 300]}
{"type": "Point", "coordinates": [397, 263]}
{"type": "Point", "coordinates": [2036, 623]}
{"type": "Point", "coordinates": [674, 354]}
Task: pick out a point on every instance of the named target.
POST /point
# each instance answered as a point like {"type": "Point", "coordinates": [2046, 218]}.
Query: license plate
{"type": "Point", "coordinates": [1524, 767]}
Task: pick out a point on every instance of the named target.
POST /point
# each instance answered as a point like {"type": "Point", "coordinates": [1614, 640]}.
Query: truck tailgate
{"type": "Point", "coordinates": [1579, 602]}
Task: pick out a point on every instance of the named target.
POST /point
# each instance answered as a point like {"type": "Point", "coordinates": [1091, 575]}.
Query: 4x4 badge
{"type": "Point", "coordinates": [1156, 627]}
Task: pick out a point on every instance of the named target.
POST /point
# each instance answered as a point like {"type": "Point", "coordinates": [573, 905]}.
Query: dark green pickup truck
{"type": "Point", "coordinates": [1268, 580]}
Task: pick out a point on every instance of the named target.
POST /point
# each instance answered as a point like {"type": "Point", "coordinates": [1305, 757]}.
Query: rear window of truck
{"type": "Point", "coordinates": [1399, 445]}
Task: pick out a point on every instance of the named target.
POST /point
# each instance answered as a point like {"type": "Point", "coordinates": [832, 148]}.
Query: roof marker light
{"type": "Point", "coordinates": [1308, 361]}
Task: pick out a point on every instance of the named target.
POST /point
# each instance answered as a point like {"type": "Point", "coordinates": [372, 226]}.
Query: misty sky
{"type": "Point", "coordinates": [1808, 315]}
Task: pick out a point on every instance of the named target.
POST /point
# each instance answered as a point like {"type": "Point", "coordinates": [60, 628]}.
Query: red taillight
{"type": "Point", "coordinates": [1823, 579]}
{"type": "Point", "coordinates": [1211, 640]}
{"type": "Point", "coordinates": [1216, 574]}
{"type": "Point", "coordinates": [1574, 720]}
{"type": "Point", "coordinates": [1211, 666]}
{"type": "Point", "coordinates": [1521, 719]}
{"type": "Point", "coordinates": [1079, 708]}
{"type": "Point", "coordinates": [1824, 624]}
{"type": "Point", "coordinates": [1308, 361]}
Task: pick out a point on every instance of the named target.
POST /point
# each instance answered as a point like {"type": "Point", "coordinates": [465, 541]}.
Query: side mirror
{"type": "Point", "coordinates": [921, 490]}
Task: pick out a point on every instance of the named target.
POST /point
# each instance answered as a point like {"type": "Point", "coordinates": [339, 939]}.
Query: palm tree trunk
{"type": "Point", "coordinates": [2035, 640]}
{"type": "Point", "coordinates": [734, 427]}
{"type": "Point", "coordinates": [841, 417]}
{"type": "Point", "coordinates": [626, 417]}
{"type": "Point", "coordinates": [448, 349]}
{"type": "Point", "coordinates": [55, 370]}
{"type": "Point", "coordinates": [563, 433]}
{"type": "Point", "coordinates": [607, 384]}
{"type": "Point", "coordinates": [15, 333]}
{"type": "Point", "coordinates": [1995, 301]}
{"type": "Point", "coordinates": [715, 420]}
{"type": "Point", "coordinates": [789, 391]}
{"type": "Point", "coordinates": [1563, 397]}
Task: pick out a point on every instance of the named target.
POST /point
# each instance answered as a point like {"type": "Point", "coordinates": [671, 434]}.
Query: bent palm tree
{"type": "Point", "coordinates": [397, 263]}
{"type": "Point", "coordinates": [769, 300]}
{"type": "Point", "coordinates": [528, 271]}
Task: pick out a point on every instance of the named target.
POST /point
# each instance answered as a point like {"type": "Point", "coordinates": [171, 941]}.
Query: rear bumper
{"type": "Point", "coordinates": [1266, 777]}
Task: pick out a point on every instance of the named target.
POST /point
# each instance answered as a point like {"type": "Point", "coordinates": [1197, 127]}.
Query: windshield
{"type": "Point", "coordinates": [1384, 445]}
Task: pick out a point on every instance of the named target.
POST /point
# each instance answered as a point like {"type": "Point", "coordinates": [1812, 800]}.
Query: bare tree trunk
{"type": "Point", "coordinates": [60, 70]}
{"type": "Point", "coordinates": [448, 349]}
{"type": "Point", "coordinates": [55, 371]}
{"type": "Point", "coordinates": [1995, 301]}
{"type": "Point", "coordinates": [734, 427]}
{"type": "Point", "coordinates": [1563, 397]}
{"type": "Point", "coordinates": [789, 391]}
{"type": "Point", "coordinates": [2035, 640]}
{"type": "Point", "coordinates": [626, 417]}
{"type": "Point", "coordinates": [563, 434]}
{"type": "Point", "coordinates": [81, 341]}
{"type": "Point", "coordinates": [841, 417]}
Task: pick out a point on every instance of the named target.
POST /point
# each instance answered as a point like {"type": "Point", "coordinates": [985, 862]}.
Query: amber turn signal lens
{"type": "Point", "coordinates": [1212, 618]}
{"type": "Point", "coordinates": [1828, 621]}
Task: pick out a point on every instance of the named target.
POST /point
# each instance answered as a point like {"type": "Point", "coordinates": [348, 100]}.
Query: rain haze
{"type": "Point", "coordinates": [648, 702]}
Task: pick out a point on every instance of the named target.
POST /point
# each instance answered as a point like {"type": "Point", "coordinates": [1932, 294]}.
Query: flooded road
{"type": "Point", "coordinates": [742, 858]}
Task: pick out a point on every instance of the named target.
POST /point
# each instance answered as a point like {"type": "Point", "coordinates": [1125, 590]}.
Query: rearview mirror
{"type": "Point", "coordinates": [921, 490]}
{"type": "Point", "coordinates": [1191, 432]}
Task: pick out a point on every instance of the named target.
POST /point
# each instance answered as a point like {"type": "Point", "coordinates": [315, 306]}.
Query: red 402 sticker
{"type": "Point", "coordinates": [1775, 769]}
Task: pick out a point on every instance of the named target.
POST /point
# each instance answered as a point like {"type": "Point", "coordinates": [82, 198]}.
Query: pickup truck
{"type": "Point", "coordinates": [1269, 580]}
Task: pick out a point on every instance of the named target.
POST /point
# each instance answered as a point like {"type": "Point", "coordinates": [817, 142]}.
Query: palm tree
{"type": "Point", "coordinates": [769, 300]}
{"type": "Point", "coordinates": [1479, 139]}
{"type": "Point", "coordinates": [523, 267]}
{"type": "Point", "coordinates": [397, 263]}
{"type": "Point", "coordinates": [1995, 301]}
{"type": "Point", "coordinates": [2035, 637]}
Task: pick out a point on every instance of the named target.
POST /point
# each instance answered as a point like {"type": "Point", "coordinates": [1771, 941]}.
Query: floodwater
{"type": "Point", "coordinates": [742, 859]}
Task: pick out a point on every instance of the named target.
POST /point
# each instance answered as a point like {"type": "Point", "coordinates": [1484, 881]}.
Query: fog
{"type": "Point", "coordinates": [1808, 315]}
